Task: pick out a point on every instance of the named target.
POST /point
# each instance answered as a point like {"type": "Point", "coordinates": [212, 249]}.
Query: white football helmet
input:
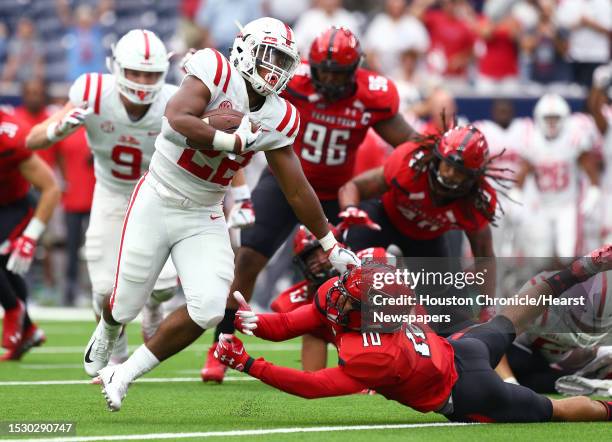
{"type": "Point", "coordinates": [550, 114]}
{"type": "Point", "coordinates": [139, 50]}
{"type": "Point", "coordinates": [590, 323]}
{"type": "Point", "coordinates": [266, 43]}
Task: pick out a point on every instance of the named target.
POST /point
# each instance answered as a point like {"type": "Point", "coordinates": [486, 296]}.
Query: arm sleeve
{"type": "Point", "coordinates": [322, 383]}
{"type": "Point", "coordinates": [283, 326]}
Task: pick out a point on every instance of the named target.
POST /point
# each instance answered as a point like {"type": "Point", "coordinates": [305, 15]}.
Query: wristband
{"type": "Point", "coordinates": [240, 193]}
{"type": "Point", "coordinates": [51, 134]}
{"type": "Point", "coordinates": [248, 364]}
{"type": "Point", "coordinates": [223, 141]}
{"type": "Point", "coordinates": [511, 380]}
{"type": "Point", "coordinates": [328, 241]}
{"type": "Point", "coordinates": [34, 229]}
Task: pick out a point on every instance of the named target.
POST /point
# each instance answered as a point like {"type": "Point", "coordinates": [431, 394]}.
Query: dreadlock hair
{"type": "Point", "coordinates": [425, 159]}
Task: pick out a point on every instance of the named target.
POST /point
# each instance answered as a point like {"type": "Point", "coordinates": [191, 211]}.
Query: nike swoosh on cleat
{"type": "Point", "coordinates": [111, 378]}
{"type": "Point", "coordinates": [215, 217]}
{"type": "Point", "coordinates": [89, 361]}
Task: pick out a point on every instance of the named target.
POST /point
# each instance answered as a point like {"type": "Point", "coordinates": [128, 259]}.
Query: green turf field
{"type": "Point", "coordinates": [182, 408]}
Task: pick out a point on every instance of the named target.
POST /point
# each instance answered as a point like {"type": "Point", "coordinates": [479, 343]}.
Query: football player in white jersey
{"type": "Point", "coordinates": [506, 134]}
{"type": "Point", "coordinates": [574, 338]}
{"type": "Point", "coordinates": [176, 207]}
{"type": "Point", "coordinates": [555, 152]}
{"type": "Point", "coordinates": [122, 114]}
{"type": "Point", "coordinates": [600, 102]}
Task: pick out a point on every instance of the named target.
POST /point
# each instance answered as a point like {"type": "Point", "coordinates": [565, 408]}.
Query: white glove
{"type": "Point", "coordinates": [68, 124]}
{"type": "Point", "coordinates": [342, 259]}
{"type": "Point", "coordinates": [242, 215]}
{"type": "Point", "coordinates": [591, 200]}
{"type": "Point", "coordinates": [601, 366]}
{"type": "Point", "coordinates": [602, 76]}
{"type": "Point", "coordinates": [245, 135]}
{"type": "Point", "coordinates": [238, 142]}
{"type": "Point", "coordinates": [246, 319]}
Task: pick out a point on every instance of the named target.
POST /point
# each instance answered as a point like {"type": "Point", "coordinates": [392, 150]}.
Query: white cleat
{"type": "Point", "coordinates": [98, 350]}
{"type": "Point", "coordinates": [152, 317]}
{"type": "Point", "coordinates": [578, 386]}
{"type": "Point", "coordinates": [114, 388]}
{"type": "Point", "coordinates": [120, 352]}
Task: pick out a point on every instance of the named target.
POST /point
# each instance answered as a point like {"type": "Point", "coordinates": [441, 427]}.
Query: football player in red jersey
{"type": "Point", "coordinates": [21, 224]}
{"type": "Point", "coordinates": [411, 365]}
{"type": "Point", "coordinates": [426, 189]}
{"type": "Point", "coordinates": [338, 102]}
{"type": "Point", "coordinates": [310, 258]}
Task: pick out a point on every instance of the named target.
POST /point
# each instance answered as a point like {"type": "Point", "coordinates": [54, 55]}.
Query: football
{"type": "Point", "coordinates": [226, 120]}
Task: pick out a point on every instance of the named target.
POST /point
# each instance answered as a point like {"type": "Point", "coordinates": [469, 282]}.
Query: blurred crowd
{"type": "Point", "coordinates": [491, 44]}
{"type": "Point", "coordinates": [427, 47]}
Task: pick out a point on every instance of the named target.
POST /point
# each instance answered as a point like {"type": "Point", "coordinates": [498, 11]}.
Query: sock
{"type": "Point", "coordinates": [111, 330]}
{"type": "Point", "coordinates": [227, 323]}
{"type": "Point", "coordinates": [141, 362]}
{"type": "Point", "coordinates": [8, 298]}
{"type": "Point", "coordinates": [608, 405]}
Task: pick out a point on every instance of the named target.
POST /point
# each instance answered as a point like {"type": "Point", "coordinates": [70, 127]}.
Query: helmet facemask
{"type": "Point", "coordinates": [341, 308]}
{"type": "Point", "coordinates": [445, 188]}
{"type": "Point", "coordinates": [334, 91]}
{"type": "Point", "coordinates": [267, 66]}
{"type": "Point", "coordinates": [137, 93]}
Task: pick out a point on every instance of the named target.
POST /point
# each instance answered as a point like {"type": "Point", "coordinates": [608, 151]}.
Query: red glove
{"type": "Point", "coordinates": [354, 216]}
{"type": "Point", "coordinates": [22, 253]}
{"type": "Point", "coordinates": [230, 351]}
{"type": "Point", "coordinates": [246, 319]}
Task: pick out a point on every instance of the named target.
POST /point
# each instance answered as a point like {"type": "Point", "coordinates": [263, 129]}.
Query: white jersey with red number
{"type": "Point", "coordinates": [203, 176]}
{"type": "Point", "coordinates": [551, 333]}
{"type": "Point", "coordinates": [510, 140]}
{"type": "Point", "coordinates": [555, 162]}
{"type": "Point", "coordinates": [122, 148]}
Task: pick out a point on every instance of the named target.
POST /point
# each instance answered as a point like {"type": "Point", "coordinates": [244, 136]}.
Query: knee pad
{"type": "Point", "coordinates": [123, 316]}
{"type": "Point", "coordinates": [205, 317]}
{"type": "Point", "coordinates": [98, 303]}
{"type": "Point", "coordinates": [162, 295]}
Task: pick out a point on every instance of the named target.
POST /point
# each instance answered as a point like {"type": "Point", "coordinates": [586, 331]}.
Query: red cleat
{"type": "Point", "coordinates": [13, 326]}
{"type": "Point", "coordinates": [213, 370]}
{"type": "Point", "coordinates": [32, 337]}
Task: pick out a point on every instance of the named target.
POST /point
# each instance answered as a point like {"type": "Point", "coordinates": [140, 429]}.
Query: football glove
{"type": "Point", "coordinates": [354, 216]}
{"type": "Point", "coordinates": [74, 119]}
{"type": "Point", "coordinates": [342, 259]}
{"type": "Point", "coordinates": [22, 249]}
{"type": "Point", "coordinates": [242, 214]}
{"type": "Point", "coordinates": [591, 200]}
{"type": "Point", "coordinates": [22, 254]}
{"type": "Point", "coordinates": [246, 319]}
{"type": "Point", "coordinates": [230, 351]}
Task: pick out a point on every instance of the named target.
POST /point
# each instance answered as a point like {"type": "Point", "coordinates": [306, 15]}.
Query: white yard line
{"type": "Point", "coordinates": [239, 433]}
{"type": "Point", "coordinates": [252, 346]}
{"type": "Point", "coordinates": [143, 380]}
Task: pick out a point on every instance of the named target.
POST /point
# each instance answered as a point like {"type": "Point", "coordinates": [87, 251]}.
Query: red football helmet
{"type": "Point", "coordinates": [305, 244]}
{"type": "Point", "coordinates": [344, 298]}
{"type": "Point", "coordinates": [465, 150]}
{"type": "Point", "coordinates": [334, 58]}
